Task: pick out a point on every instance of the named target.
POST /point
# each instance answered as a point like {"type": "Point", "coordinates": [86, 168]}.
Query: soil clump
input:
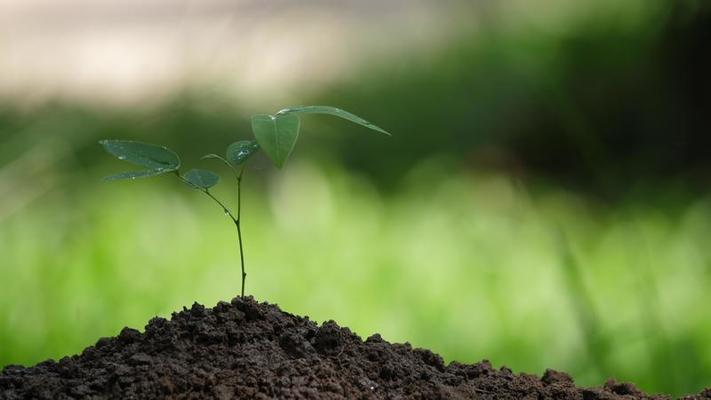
{"type": "Point", "coordinates": [250, 350]}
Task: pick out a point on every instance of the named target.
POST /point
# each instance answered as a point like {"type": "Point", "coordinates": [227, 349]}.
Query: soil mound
{"type": "Point", "coordinates": [248, 350]}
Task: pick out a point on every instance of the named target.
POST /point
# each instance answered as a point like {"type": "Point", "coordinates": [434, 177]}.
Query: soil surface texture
{"type": "Point", "coordinates": [250, 350]}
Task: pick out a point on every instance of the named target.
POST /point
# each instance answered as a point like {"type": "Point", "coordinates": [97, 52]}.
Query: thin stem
{"type": "Point", "coordinates": [239, 191]}
{"type": "Point", "coordinates": [227, 211]}
{"type": "Point", "coordinates": [207, 192]}
{"type": "Point", "coordinates": [239, 226]}
{"type": "Point", "coordinates": [224, 208]}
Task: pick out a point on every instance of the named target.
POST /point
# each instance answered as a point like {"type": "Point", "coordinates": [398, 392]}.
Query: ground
{"type": "Point", "coordinates": [250, 350]}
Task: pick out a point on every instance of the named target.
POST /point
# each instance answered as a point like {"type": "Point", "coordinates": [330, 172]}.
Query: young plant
{"type": "Point", "coordinates": [275, 134]}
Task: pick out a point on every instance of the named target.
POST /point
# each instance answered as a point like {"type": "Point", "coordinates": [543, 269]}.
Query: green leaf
{"type": "Point", "coordinates": [151, 156]}
{"type": "Point", "coordinates": [201, 178]}
{"type": "Point", "coordinates": [276, 135]}
{"type": "Point", "coordinates": [238, 152]}
{"type": "Point", "coordinates": [331, 111]}
{"type": "Point", "coordinates": [133, 175]}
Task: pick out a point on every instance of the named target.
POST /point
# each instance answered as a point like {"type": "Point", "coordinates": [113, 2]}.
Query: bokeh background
{"type": "Point", "coordinates": [543, 203]}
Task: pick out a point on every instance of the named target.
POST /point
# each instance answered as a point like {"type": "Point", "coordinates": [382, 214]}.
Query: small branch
{"type": "Point", "coordinates": [227, 211]}
{"type": "Point", "coordinates": [224, 207]}
{"type": "Point", "coordinates": [207, 192]}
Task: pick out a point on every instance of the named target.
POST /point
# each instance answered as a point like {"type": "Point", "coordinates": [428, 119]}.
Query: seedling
{"type": "Point", "coordinates": [275, 134]}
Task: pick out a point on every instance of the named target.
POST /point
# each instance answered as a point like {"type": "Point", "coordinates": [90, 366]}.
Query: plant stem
{"type": "Point", "coordinates": [227, 211]}
{"type": "Point", "coordinates": [207, 192]}
{"type": "Point", "coordinates": [239, 226]}
{"type": "Point", "coordinates": [224, 208]}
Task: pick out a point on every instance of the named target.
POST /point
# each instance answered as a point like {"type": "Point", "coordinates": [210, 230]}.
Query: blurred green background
{"type": "Point", "coordinates": [543, 203]}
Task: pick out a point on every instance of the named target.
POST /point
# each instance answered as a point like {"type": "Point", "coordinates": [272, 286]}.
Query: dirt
{"type": "Point", "coordinates": [250, 350]}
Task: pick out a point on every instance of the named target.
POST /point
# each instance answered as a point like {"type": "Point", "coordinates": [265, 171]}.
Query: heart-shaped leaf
{"type": "Point", "coordinates": [331, 111]}
{"type": "Point", "coordinates": [276, 135]}
{"type": "Point", "coordinates": [201, 178]}
{"type": "Point", "coordinates": [157, 158]}
{"type": "Point", "coordinates": [133, 175]}
{"type": "Point", "coordinates": [238, 152]}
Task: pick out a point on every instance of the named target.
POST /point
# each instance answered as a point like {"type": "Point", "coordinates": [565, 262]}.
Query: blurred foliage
{"type": "Point", "coordinates": [594, 107]}
{"type": "Point", "coordinates": [471, 266]}
{"type": "Point", "coordinates": [611, 101]}
{"type": "Point", "coordinates": [461, 233]}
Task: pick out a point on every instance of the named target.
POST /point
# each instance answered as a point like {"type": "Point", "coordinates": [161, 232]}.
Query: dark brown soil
{"type": "Point", "coordinates": [248, 350]}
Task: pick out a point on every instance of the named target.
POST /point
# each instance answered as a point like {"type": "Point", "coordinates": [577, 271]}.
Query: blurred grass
{"type": "Point", "coordinates": [470, 265]}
